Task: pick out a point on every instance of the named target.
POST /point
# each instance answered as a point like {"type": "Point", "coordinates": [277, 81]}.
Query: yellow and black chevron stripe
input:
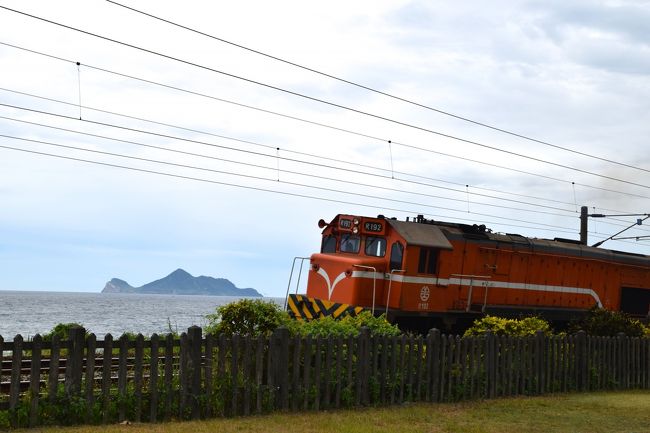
{"type": "Point", "coordinates": [302, 307]}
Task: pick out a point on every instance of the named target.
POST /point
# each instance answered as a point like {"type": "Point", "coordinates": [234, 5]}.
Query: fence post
{"type": "Point", "coordinates": [195, 337]}
{"type": "Point", "coordinates": [541, 361]}
{"type": "Point", "coordinates": [14, 390]}
{"type": "Point", "coordinates": [280, 359]}
{"type": "Point", "coordinates": [34, 379]}
{"type": "Point", "coordinates": [490, 365]}
{"type": "Point", "coordinates": [433, 353]}
{"type": "Point", "coordinates": [74, 363]}
{"type": "Point", "coordinates": [581, 359]}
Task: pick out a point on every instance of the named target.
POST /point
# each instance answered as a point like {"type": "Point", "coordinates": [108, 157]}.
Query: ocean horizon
{"type": "Point", "coordinates": [36, 312]}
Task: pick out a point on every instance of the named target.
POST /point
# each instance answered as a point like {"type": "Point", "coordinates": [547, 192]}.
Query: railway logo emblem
{"type": "Point", "coordinates": [424, 293]}
{"type": "Point", "coordinates": [330, 286]}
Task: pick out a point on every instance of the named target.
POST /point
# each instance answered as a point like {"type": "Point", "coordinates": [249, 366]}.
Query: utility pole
{"type": "Point", "coordinates": [584, 215]}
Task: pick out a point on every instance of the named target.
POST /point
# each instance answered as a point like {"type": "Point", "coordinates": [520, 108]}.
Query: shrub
{"type": "Point", "coordinates": [377, 325]}
{"type": "Point", "coordinates": [601, 322]}
{"type": "Point", "coordinates": [512, 327]}
{"type": "Point", "coordinates": [348, 326]}
{"type": "Point", "coordinates": [247, 317]}
{"type": "Point", "coordinates": [62, 330]}
{"type": "Point", "coordinates": [257, 317]}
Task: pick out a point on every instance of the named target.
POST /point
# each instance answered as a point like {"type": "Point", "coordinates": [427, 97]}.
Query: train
{"type": "Point", "coordinates": [423, 273]}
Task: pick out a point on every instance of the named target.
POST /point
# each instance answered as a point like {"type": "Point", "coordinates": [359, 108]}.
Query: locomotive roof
{"type": "Point", "coordinates": [421, 235]}
{"type": "Point", "coordinates": [436, 234]}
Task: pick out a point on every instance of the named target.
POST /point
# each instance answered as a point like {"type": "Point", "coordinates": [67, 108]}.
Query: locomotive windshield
{"type": "Point", "coordinates": [329, 244]}
{"type": "Point", "coordinates": [375, 246]}
{"type": "Point", "coordinates": [350, 243]}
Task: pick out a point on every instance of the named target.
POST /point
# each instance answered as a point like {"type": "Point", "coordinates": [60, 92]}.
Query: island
{"type": "Point", "coordinates": [181, 282]}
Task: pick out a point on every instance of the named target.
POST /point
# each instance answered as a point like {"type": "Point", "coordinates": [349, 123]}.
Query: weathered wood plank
{"type": "Point", "coordinates": [338, 372]}
{"type": "Point", "coordinates": [153, 379]}
{"type": "Point", "coordinates": [122, 377]}
{"type": "Point", "coordinates": [317, 373]}
{"type": "Point", "coordinates": [195, 346]}
{"type": "Point", "coordinates": [259, 372]}
{"type": "Point", "coordinates": [169, 372]}
{"type": "Point", "coordinates": [295, 378]}
{"type": "Point", "coordinates": [234, 374]}
{"type": "Point", "coordinates": [418, 368]}
{"type": "Point", "coordinates": [327, 376]}
{"type": "Point", "coordinates": [35, 379]}
{"type": "Point", "coordinates": [382, 353]}
{"type": "Point", "coordinates": [138, 376]}
{"type": "Point", "coordinates": [106, 377]}
{"type": "Point", "coordinates": [246, 374]}
{"type": "Point", "coordinates": [91, 342]}
{"type": "Point", "coordinates": [307, 372]}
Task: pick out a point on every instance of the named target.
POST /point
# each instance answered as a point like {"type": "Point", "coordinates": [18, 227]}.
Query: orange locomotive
{"type": "Point", "coordinates": [425, 273]}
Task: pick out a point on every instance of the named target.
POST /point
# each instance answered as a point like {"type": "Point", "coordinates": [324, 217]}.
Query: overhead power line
{"type": "Point", "coordinates": [354, 171]}
{"type": "Point", "coordinates": [357, 164]}
{"type": "Point", "coordinates": [284, 170]}
{"type": "Point", "coordinates": [358, 172]}
{"type": "Point", "coordinates": [553, 228]}
{"type": "Point", "coordinates": [333, 104]}
{"type": "Point", "coordinates": [539, 175]}
{"type": "Point", "coordinates": [380, 92]}
{"type": "Point", "coordinates": [293, 172]}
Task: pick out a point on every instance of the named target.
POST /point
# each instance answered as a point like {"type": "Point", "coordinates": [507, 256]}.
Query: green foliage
{"type": "Point", "coordinates": [512, 327]}
{"type": "Point", "coordinates": [247, 317]}
{"type": "Point", "coordinates": [347, 326]}
{"type": "Point", "coordinates": [377, 325]}
{"type": "Point", "coordinates": [603, 322]}
{"type": "Point", "coordinates": [257, 317]}
{"type": "Point", "coordinates": [62, 330]}
{"type": "Point", "coordinates": [327, 327]}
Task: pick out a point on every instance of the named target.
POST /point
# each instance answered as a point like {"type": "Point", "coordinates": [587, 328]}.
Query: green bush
{"type": "Point", "coordinates": [377, 325]}
{"type": "Point", "coordinates": [247, 317]}
{"type": "Point", "coordinates": [348, 326]}
{"type": "Point", "coordinates": [512, 327]}
{"type": "Point", "coordinates": [257, 317]}
{"type": "Point", "coordinates": [62, 330]}
{"type": "Point", "coordinates": [603, 322]}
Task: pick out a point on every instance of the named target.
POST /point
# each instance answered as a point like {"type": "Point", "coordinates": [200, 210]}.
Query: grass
{"type": "Point", "coordinates": [593, 413]}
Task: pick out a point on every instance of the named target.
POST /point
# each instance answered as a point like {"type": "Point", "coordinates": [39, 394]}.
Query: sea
{"type": "Point", "coordinates": [31, 313]}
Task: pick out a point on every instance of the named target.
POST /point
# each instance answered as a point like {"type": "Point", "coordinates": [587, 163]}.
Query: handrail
{"type": "Point", "coordinates": [293, 265]}
{"type": "Point", "coordinates": [374, 283]}
{"type": "Point", "coordinates": [471, 286]}
{"type": "Point", "coordinates": [390, 283]}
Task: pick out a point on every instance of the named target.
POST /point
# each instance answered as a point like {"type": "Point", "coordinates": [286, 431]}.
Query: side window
{"type": "Point", "coordinates": [350, 243]}
{"type": "Point", "coordinates": [396, 255]}
{"type": "Point", "coordinates": [375, 246]}
{"type": "Point", "coordinates": [428, 263]}
{"type": "Point", "coordinates": [328, 245]}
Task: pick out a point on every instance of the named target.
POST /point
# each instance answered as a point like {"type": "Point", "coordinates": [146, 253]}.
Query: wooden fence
{"type": "Point", "coordinates": [85, 380]}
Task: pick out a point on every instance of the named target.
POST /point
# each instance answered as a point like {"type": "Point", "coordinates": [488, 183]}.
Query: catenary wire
{"type": "Point", "coordinates": [271, 147]}
{"type": "Point", "coordinates": [302, 153]}
{"type": "Point", "coordinates": [267, 155]}
{"type": "Point", "coordinates": [331, 127]}
{"type": "Point", "coordinates": [261, 189]}
{"type": "Point", "coordinates": [184, 177]}
{"type": "Point", "coordinates": [248, 164]}
{"type": "Point", "coordinates": [322, 101]}
{"type": "Point", "coordinates": [311, 175]}
{"type": "Point", "coordinates": [249, 176]}
{"type": "Point", "coordinates": [377, 91]}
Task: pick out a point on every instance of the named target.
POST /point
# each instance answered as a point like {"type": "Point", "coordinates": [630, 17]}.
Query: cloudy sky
{"type": "Point", "coordinates": [166, 148]}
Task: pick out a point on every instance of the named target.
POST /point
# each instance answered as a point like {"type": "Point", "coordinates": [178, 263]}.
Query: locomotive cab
{"type": "Point", "coordinates": [352, 263]}
{"type": "Point", "coordinates": [379, 264]}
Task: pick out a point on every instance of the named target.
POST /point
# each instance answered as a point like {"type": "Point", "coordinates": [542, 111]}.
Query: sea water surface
{"type": "Point", "coordinates": [31, 313]}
